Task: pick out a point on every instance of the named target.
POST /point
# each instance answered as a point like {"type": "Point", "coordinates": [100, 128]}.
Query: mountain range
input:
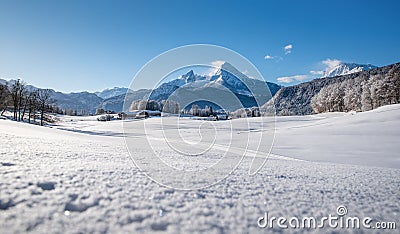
{"type": "Point", "coordinates": [293, 99]}
{"type": "Point", "coordinates": [80, 101]}
{"type": "Point", "coordinates": [113, 92]}
{"type": "Point", "coordinates": [226, 81]}
{"type": "Point", "coordinates": [113, 99]}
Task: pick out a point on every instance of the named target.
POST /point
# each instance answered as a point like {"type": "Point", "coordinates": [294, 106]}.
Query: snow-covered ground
{"type": "Point", "coordinates": [366, 138]}
{"type": "Point", "coordinates": [77, 176]}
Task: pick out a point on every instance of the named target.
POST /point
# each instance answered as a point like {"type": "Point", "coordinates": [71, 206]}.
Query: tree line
{"type": "Point", "coordinates": [26, 103]}
{"type": "Point", "coordinates": [362, 93]}
{"type": "Point", "coordinates": [195, 110]}
{"type": "Point", "coordinates": [167, 106]}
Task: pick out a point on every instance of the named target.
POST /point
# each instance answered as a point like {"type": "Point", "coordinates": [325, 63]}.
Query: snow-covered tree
{"type": "Point", "coordinates": [366, 98]}
{"type": "Point", "coordinates": [320, 102]}
{"type": "Point", "coordinates": [240, 113]}
{"type": "Point", "coordinates": [170, 106]}
{"type": "Point", "coordinates": [352, 97]}
{"type": "Point", "coordinates": [194, 110]}
{"type": "Point", "coordinates": [99, 111]}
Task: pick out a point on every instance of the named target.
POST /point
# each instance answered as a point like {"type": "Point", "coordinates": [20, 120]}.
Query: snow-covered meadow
{"type": "Point", "coordinates": [77, 176]}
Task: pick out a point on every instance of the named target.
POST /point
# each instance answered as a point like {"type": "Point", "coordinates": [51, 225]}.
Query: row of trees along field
{"type": "Point", "coordinates": [167, 106]}
{"type": "Point", "coordinates": [358, 94]}
{"type": "Point", "coordinates": [195, 110]}
{"type": "Point", "coordinates": [25, 102]}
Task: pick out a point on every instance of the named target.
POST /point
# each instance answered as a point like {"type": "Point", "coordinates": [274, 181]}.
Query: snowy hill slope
{"type": "Point", "coordinates": [366, 138]}
{"type": "Point", "coordinates": [78, 177]}
{"type": "Point", "coordinates": [296, 99]}
{"type": "Point", "coordinates": [3, 82]}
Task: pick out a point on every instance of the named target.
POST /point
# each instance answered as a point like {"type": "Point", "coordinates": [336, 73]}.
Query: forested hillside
{"type": "Point", "coordinates": [360, 91]}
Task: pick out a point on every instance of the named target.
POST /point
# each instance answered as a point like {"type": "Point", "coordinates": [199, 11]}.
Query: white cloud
{"type": "Point", "coordinates": [215, 66]}
{"type": "Point", "coordinates": [217, 63]}
{"type": "Point", "coordinates": [331, 63]}
{"type": "Point", "coordinates": [317, 72]}
{"type": "Point", "coordinates": [268, 57]}
{"type": "Point", "coordinates": [291, 79]}
{"type": "Point", "coordinates": [273, 58]}
{"type": "Point", "coordinates": [328, 65]}
{"type": "Point", "coordinates": [288, 49]}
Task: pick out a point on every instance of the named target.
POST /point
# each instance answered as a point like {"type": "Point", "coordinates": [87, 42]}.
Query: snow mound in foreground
{"type": "Point", "coordinates": [78, 177]}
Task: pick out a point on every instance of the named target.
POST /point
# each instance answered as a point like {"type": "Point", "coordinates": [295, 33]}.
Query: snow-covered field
{"type": "Point", "coordinates": [77, 176]}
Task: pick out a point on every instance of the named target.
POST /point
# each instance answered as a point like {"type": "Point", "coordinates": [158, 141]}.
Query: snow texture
{"type": "Point", "coordinates": [77, 177]}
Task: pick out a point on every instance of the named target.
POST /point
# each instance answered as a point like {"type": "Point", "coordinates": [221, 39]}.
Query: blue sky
{"type": "Point", "coordinates": [92, 45]}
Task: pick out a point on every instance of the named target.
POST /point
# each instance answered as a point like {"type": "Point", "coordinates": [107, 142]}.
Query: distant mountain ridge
{"type": "Point", "coordinates": [113, 92]}
{"type": "Point", "coordinates": [113, 98]}
{"type": "Point", "coordinates": [80, 101]}
{"type": "Point", "coordinates": [292, 100]}
{"type": "Point", "coordinates": [116, 103]}
{"type": "Point", "coordinates": [347, 68]}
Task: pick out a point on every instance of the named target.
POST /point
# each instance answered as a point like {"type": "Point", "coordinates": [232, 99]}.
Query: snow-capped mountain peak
{"type": "Point", "coordinates": [347, 68]}
{"type": "Point", "coordinates": [188, 77]}
{"type": "Point", "coordinates": [232, 78]}
{"type": "Point", "coordinates": [226, 76]}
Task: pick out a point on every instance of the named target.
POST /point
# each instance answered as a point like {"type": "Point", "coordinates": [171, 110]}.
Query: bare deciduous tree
{"type": "Point", "coordinates": [44, 100]}
{"type": "Point", "coordinates": [32, 105]}
{"type": "Point", "coordinates": [15, 98]}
